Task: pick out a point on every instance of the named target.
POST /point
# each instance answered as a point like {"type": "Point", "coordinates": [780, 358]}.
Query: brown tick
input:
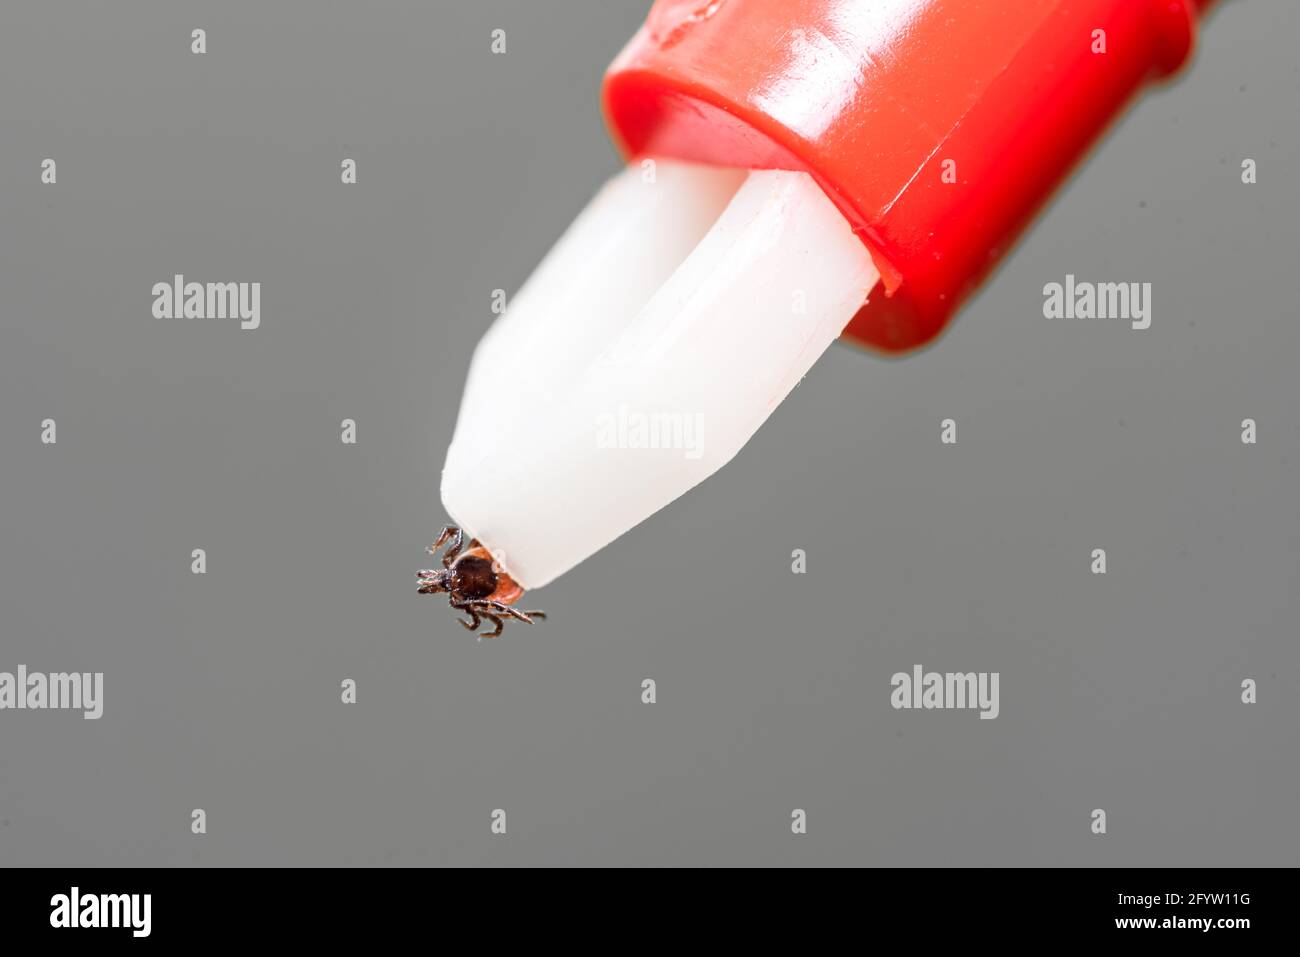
{"type": "Point", "coordinates": [474, 582]}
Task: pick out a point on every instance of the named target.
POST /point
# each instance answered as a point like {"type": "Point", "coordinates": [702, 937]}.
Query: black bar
{"type": "Point", "coordinates": [374, 906]}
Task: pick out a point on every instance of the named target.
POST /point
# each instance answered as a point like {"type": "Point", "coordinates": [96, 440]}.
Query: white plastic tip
{"type": "Point", "coordinates": [656, 337]}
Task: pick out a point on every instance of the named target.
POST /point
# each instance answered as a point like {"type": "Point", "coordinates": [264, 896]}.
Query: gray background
{"type": "Point", "coordinates": [222, 691]}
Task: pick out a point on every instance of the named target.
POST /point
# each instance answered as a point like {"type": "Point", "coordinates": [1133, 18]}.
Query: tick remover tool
{"type": "Point", "coordinates": [798, 171]}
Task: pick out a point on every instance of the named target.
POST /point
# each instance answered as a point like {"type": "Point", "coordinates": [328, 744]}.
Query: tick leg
{"type": "Point", "coordinates": [500, 609]}
{"type": "Point", "coordinates": [496, 621]}
{"type": "Point", "coordinates": [456, 536]}
{"type": "Point", "coordinates": [474, 622]}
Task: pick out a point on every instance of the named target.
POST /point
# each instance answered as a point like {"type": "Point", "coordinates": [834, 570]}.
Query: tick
{"type": "Point", "coordinates": [475, 583]}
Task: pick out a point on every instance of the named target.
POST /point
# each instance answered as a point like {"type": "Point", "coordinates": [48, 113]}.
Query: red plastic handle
{"type": "Point", "coordinates": [937, 126]}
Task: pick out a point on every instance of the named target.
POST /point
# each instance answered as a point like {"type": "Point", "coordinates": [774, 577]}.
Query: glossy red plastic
{"type": "Point", "coordinates": [938, 127]}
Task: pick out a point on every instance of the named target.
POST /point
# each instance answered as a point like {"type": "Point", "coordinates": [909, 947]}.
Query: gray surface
{"type": "Point", "coordinates": [222, 691]}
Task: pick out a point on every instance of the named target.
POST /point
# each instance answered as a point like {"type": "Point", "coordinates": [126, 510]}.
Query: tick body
{"type": "Point", "coordinates": [474, 582]}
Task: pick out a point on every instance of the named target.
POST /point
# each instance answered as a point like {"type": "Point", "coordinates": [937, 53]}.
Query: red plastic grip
{"type": "Point", "coordinates": [938, 127]}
